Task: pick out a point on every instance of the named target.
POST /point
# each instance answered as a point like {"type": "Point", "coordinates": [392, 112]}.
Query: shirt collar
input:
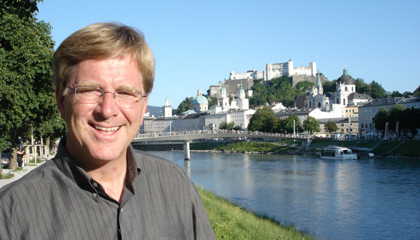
{"type": "Point", "coordinates": [67, 165]}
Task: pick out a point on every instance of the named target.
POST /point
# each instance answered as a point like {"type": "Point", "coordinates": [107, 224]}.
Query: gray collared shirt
{"type": "Point", "coordinates": [59, 200]}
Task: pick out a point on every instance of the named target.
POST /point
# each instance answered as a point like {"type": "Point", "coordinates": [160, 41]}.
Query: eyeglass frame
{"type": "Point", "coordinates": [103, 94]}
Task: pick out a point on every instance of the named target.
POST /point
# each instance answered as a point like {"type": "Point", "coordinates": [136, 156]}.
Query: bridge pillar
{"type": "Point", "coordinates": [186, 150]}
{"type": "Point", "coordinates": [306, 144]}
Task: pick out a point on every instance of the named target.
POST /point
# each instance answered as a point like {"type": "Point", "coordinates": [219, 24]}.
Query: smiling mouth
{"type": "Point", "coordinates": [107, 130]}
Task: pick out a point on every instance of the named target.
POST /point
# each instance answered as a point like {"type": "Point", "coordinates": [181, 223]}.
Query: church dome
{"type": "Point", "coordinates": [200, 100]}
{"type": "Point", "coordinates": [346, 78]}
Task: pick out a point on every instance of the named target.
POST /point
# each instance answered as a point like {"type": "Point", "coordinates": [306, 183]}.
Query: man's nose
{"type": "Point", "coordinates": [108, 105]}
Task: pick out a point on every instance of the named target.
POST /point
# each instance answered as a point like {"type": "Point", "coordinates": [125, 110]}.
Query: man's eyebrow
{"type": "Point", "coordinates": [120, 88]}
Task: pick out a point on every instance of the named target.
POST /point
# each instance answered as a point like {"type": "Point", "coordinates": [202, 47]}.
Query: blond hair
{"type": "Point", "coordinates": [101, 41]}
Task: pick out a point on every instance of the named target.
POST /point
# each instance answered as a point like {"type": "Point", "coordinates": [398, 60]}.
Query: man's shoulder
{"type": "Point", "coordinates": [37, 177]}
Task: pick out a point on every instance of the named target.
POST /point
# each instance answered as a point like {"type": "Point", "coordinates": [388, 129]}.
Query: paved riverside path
{"type": "Point", "coordinates": [17, 174]}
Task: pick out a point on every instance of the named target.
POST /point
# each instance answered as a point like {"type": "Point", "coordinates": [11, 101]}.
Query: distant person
{"type": "Point", "coordinates": [20, 153]}
{"type": "Point", "coordinates": [98, 186]}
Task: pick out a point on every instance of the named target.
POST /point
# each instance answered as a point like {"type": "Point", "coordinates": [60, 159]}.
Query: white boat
{"type": "Point", "coordinates": [340, 153]}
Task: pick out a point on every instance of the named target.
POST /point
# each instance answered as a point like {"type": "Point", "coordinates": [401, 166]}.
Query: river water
{"type": "Point", "coordinates": [329, 199]}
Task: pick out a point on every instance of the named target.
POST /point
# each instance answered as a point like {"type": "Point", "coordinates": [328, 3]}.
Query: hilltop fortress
{"type": "Point", "coordinates": [271, 70]}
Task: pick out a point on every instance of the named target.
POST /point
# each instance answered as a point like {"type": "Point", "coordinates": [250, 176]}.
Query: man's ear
{"type": "Point", "coordinates": [60, 101]}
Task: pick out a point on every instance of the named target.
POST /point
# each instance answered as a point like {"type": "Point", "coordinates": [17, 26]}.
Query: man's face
{"type": "Point", "coordinates": [102, 131]}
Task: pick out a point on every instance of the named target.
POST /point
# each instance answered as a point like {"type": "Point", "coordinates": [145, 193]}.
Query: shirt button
{"type": "Point", "coordinates": [95, 184]}
{"type": "Point", "coordinates": [95, 195]}
{"type": "Point", "coordinates": [122, 210]}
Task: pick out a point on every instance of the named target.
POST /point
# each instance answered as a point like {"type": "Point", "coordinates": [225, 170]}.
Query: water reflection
{"type": "Point", "coordinates": [363, 199]}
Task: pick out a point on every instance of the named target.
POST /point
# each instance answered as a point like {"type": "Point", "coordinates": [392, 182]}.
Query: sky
{"type": "Point", "coordinates": [197, 43]}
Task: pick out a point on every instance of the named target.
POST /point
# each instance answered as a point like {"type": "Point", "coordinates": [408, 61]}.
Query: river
{"type": "Point", "coordinates": [329, 199]}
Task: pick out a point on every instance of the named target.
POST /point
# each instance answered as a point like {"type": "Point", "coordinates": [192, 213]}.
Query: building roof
{"type": "Point", "coordinates": [359, 96]}
{"type": "Point", "coordinates": [194, 115]}
{"type": "Point", "coordinates": [382, 102]}
{"type": "Point", "coordinates": [200, 100]}
{"type": "Point", "coordinates": [300, 101]}
{"type": "Point", "coordinates": [346, 78]}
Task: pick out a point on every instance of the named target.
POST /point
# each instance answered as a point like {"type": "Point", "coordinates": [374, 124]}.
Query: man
{"type": "Point", "coordinates": [98, 186]}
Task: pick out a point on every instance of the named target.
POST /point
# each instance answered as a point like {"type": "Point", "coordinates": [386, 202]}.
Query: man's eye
{"type": "Point", "coordinates": [126, 94]}
{"type": "Point", "coordinates": [89, 91]}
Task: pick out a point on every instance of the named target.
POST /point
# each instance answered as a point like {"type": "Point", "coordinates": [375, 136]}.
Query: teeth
{"type": "Point", "coordinates": [107, 129]}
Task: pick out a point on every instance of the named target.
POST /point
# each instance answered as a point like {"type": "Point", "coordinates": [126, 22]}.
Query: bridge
{"type": "Point", "coordinates": [185, 137]}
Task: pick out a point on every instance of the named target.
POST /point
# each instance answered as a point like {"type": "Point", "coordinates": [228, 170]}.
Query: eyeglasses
{"type": "Point", "coordinates": [124, 98]}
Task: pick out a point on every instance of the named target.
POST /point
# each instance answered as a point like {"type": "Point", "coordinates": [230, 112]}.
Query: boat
{"type": "Point", "coordinates": [363, 152]}
{"type": "Point", "coordinates": [340, 153]}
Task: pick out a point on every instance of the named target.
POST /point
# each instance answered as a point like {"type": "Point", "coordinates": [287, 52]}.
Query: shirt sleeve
{"type": "Point", "coordinates": [202, 226]}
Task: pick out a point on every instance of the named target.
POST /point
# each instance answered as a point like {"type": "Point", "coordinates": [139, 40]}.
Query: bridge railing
{"type": "Point", "coordinates": [230, 132]}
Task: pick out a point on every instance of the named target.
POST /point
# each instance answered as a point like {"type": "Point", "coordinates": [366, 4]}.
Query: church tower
{"type": "Point", "coordinates": [167, 109]}
{"type": "Point", "coordinates": [319, 87]}
{"type": "Point", "coordinates": [223, 100]}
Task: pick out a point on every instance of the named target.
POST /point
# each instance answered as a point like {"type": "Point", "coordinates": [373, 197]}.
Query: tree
{"type": "Point", "coordinates": [288, 123]}
{"type": "Point", "coordinates": [330, 127]}
{"type": "Point", "coordinates": [303, 87]}
{"type": "Point", "coordinates": [416, 92]}
{"type": "Point", "coordinates": [410, 119]}
{"type": "Point", "coordinates": [377, 91]}
{"type": "Point", "coordinates": [184, 106]}
{"type": "Point", "coordinates": [212, 101]}
{"type": "Point", "coordinates": [226, 126]}
{"type": "Point", "coordinates": [329, 86]}
{"type": "Point", "coordinates": [278, 125]}
{"type": "Point", "coordinates": [395, 115]}
{"type": "Point", "coordinates": [361, 86]}
{"type": "Point", "coordinates": [407, 94]}
{"type": "Point", "coordinates": [311, 125]}
{"type": "Point", "coordinates": [396, 94]}
{"type": "Point", "coordinates": [26, 49]}
{"type": "Point", "coordinates": [262, 120]}
{"type": "Point", "coordinates": [380, 119]}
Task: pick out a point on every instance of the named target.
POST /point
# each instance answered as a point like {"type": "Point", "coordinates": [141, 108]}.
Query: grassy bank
{"type": "Point", "coordinates": [233, 222]}
{"type": "Point", "coordinates": [408, 148]}
{"type": "Point", "coordinates": [242, 146]}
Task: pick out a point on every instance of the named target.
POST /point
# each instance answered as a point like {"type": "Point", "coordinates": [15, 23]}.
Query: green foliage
{"type": "Point", "coordinates": [408, 118]}
{"type": "Point", "coordinates": [416, 92]}
{"type": "Point", "coordinates": [380, 119]}
{"type": "Point", "coordinates": [226, 126]}
{"type": "Point", "coordinates": [184, 106]}
{"type": "Point", "coordinates": [311, 125]}
{"type": "Point", "coordinates": [26, 49]}
{"type": "Point", "coordinates": [331, 127]}
{"type": "Point", "coordinates": [396, 94]}
{"type": "Point", "coordinates": [7, 175]}
{"type": "Point", "coordinates": [303, 87]}
{"type": "Point", "coordinates": [377, 91]}
{"type": "Point", "coordinates": [407, 94]}
{"type": "Point", "coordinates": [361, 86]}
{"type": "Point", "coordinates": [212, 101]}
{"type": "Point", "coordinates": [275, 90]}
{"type": "Point", "coordinates": [278, 125]}
{"type": "Point", "coordinates": [241, 146]}
{"type": "Point", "coordinates": [395, 114]}
{"type": "Point", "coordinates": [21, 8]}
{"type": "Point", "coordinates": [237, 128]}
{"type": "Point", "coordinates": [263, 120]}
{"type": "Point", "coordinates": [288, 124]}
{"type": "Point", "coordinates": [329, 86]}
